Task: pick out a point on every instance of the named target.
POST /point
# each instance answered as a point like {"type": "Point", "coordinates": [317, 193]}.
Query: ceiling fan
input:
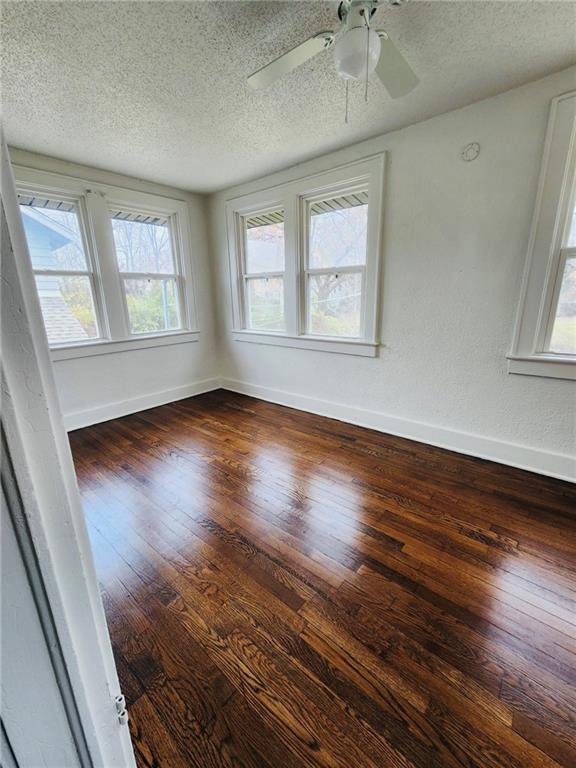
{"type": "Point", "coordinates": [359, 50]}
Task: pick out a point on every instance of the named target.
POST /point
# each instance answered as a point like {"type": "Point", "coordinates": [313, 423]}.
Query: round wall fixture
{"type": "Point", "coordinates": [470, 152]}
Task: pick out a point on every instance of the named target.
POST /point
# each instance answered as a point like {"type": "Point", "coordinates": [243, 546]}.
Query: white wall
{"type": "Point", "coordinates": [455, 239]}
{"type": "Point", "coordinates": [93, 389]}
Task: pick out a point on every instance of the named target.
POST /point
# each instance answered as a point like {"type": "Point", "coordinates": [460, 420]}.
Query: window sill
{"type": "Point", "coordinates": [107, 347]}
{"type": "Point", "coordinates": [318, 344]}
{"type": "Point", "coordinates": [551, 366]}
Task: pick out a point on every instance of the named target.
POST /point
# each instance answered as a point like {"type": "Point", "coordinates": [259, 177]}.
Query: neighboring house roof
{"type": "Point", "coordinates": [59, 233]}
{"type": "Point", "coordinates": [39, 232]}
{"type": "Point", "coordinates": [61, 325]}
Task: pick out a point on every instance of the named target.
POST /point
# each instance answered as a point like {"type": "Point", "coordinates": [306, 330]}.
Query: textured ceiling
{"type": "Point", "coordinates": [158, 89]}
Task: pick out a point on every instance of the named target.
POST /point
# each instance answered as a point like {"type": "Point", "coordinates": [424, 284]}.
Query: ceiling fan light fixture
{"type": "Point", "coordinates": [356, 53]}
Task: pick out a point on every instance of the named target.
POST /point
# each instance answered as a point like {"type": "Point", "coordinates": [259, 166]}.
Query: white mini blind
{"type": "Point", "coordinates": [263, 219]}
{"type": "Point", "coordinates": [339, 203]}
{"type": "Point", "coordinates": [44, 202]}
{"type": "Point", "coordinates": [142, 218]}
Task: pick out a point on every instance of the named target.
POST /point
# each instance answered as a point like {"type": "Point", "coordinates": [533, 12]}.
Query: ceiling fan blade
{"type": "Point", "coordinates": [289, 61]}
{"type": "Point", "coordinates": [393, 69]}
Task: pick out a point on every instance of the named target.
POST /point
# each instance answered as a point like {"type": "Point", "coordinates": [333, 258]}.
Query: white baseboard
{"type": "Point", "coordinates": [78, 419]}
{"type": "Point", "coordinates": [559, 465]}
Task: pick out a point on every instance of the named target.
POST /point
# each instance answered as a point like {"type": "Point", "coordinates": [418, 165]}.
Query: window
{"type": "Point", "coordinates": [305, 261]}
{"type": "Point", "coordinates": [335, 261]}
{"type": "Point", "coordinates": [263, 273]}
{"type": "Point", "coordinates": [147, 267]}
{"type": "Point", "coordinates": [64, 278]}
{"type": "Point", "coordinates": [563, 326]}
{"type": "Point", "coordinates": [545, 335]}
{"type": "Point", "coordinates": [112, 266]}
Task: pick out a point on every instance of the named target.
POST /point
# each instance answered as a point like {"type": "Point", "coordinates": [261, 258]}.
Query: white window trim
{"type": "Point", "coordinates": [319, 343]}
{"type": "Point", "coordinates": [540, 286]}
{"type": "Point", "coordinates": [107, 346]}
{"type": "Point", "coordinates": [244, 274]}
{"type": "Point", "coordinates": [92, 270]}
{"type": "Point", "coordinates": [293, 197]}
{"type": "Point", "coordinates": [305, 270]}
{"type": "Point", "coordinates": [95, 201]}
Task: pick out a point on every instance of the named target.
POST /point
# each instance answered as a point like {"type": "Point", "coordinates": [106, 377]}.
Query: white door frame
{"type": "Point", "coordinates": [44, 474]}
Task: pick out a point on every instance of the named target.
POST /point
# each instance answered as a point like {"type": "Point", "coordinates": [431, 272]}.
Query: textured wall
{"type": "Point", "coordinates": [455, 239]}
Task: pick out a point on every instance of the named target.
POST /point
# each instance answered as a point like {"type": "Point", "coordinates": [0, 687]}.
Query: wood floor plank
{"type": "Point", "coordinates": [286, 590]}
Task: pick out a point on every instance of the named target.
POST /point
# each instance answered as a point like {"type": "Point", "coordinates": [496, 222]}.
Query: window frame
{"type": "Point", "coordinates": [547, 253]}
{"type": "Point", "coordinates": [566, 253]}
{"type": "Point", "coordinates": [92, 265]}
{"type": "Point", "coordinates": [177, 276]}
{"type": "Point", "coordinates": [293, 197]}
{"type": "Point", "coordinates": [95, 201]}
{"type": "Point", "coordinates": [243, 267]}
{"type": "Point", "coordinates": [306, 202]}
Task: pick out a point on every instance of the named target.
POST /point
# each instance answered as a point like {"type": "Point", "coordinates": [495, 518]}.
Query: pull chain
{"type": "Point", "coordinates": [367, 57]}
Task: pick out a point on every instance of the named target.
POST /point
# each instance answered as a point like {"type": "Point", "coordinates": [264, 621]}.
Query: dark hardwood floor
{"type": "Point", "coordinates": [287, 590]}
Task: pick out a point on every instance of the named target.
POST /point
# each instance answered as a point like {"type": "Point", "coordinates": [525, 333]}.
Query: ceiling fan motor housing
{"type": "Point", "coordinates": [353, 12]}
